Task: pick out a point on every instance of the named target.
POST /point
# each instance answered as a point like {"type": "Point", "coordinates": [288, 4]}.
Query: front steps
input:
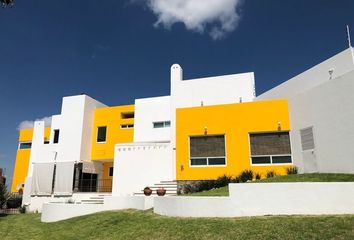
{"type": "Point", "coordinates": [96, 199]}
{"type": "Point", "coordinates": [170, 186]}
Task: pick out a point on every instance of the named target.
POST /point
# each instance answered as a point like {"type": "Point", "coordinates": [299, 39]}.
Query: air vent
{"type": "Point", "coordinates": [307, 139]}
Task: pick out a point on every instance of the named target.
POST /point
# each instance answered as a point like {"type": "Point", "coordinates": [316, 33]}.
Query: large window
{"type": "Point", "coordinates": [270, 148]}
{"type": "Point", "coordinates": [25, 145]}
{"type": "Point", "coordinates": [101, 134]}
{"type": "Point", "coordinates": [207, 150]}
{"type": "Point", "coordinates": [127, 115]}
{"type": "Point", "coordinates": [163, 124]}
{"type": "Point", "coordinates": [56, 136]}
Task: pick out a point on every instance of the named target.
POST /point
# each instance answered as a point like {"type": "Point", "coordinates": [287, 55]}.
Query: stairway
{"type": "Point", "coordinates": [170, 186]}
{"type": "Point", "coordinates": [98, 199]}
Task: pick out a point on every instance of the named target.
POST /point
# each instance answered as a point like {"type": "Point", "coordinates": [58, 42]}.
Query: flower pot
{"type": "Point", "coordinates": [147, 191]}
{"type": "Point", "coordinates": [161, 192]}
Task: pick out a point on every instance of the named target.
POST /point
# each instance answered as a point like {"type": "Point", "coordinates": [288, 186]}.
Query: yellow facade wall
{"type": "Point", "coordinates": [23, 157]}
{"type": "Point", "coordinates": [111, 118]}
{"type": "Point", "coordinates": [235, 121]}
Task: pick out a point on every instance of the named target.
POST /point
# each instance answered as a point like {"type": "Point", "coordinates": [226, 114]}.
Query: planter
{"type": "Point", "coordinates": [147, 191]}
{"type": "Point", "coordinates": [161, 192]}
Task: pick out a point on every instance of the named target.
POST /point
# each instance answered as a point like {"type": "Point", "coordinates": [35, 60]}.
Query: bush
{"type": "Point", "coordinates": [4, 195]}
{"type": "Point", "coordinates": [236, 179]}
{"type": "Point", "coordinates": [22, 209]}
{"type": "Point", "coordinates": [14, 201]}
{"type": "Point", "coordinates": [246, 175]}
{"type": "Point", "coordinates": [271, 174]}
{"type": "Point", "coordinates": [188, 188]}
{"type": "Point", "coordinates": [291, 170]}
{"type": "Point", "coordinates": [258, 176]}
{"type": "Point", "coordinates": [204, 185]}
{"type": "Point", "coordinates": [222, 181]}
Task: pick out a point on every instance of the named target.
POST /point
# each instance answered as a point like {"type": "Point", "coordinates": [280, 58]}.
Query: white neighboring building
{"type": "Point", "coordinates": [321, 105]}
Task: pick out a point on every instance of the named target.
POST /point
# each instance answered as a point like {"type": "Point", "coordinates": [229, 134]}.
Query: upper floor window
{"type": "Point", "coordinates": [270, 148]}
{"type": "Point", "coordinates": [207, 150]}
{"type": "Point", "coordinates": [163, 124]}
{"type": "Point", "coordinates": [56, 136]}
{"type": "Point", "coordinates": [124, 126]}
{"type": "Point", "coordinates": [25, 145]}
{"type": "Point", "coordinates": [110, 173]}
{"type": "Point", "coordinates": [101, 134]}
{"type": "Point", "coordinates": [127, 115]}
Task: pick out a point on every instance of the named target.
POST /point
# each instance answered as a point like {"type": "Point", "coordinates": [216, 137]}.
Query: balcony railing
{"type": "Point", "coordinates": [95, 185]}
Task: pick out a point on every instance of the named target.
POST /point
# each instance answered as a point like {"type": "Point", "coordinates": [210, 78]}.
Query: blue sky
{"type": "Point", "coordinates": [119, 50]}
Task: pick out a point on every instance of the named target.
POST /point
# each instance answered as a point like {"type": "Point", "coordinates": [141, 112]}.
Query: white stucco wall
{"type": "Point", "coordinates": [329, 109]}
{"type": "Point", "coordinates": [258, 199]}
{"type": "Point", "coordinates": [138, 165]}
{"type": "Point", "coordinates": [147, 111]}
{"type": "Point", "coordinates": [341, 63]}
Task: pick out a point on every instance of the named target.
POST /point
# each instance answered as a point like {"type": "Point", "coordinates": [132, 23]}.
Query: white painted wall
{"type": "Point", "coordinates": [258, 199]}
{"type": "Point", "coordinates": [327, 105]}
{"type": "Point", "coordinates": [341, 63]}
{"type": "Point", "coordinates": [147, 111]}
{"type": "Point", "coordinates": [329, 108]}
{"type": "Point", "coordinates": [139, 165]}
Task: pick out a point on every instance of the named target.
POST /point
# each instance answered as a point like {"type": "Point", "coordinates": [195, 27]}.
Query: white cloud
{"type": "Point", "coordinates": [217, 17]}
{"type": "Point", "coordinates": [30, 124]}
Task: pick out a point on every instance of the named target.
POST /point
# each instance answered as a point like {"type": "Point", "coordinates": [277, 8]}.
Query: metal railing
{"type": "Point", "coordinates": [95, 185]}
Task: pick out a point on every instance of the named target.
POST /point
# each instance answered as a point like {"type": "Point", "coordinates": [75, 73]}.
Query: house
{"type": "Point", "coordinates": [205, 128]}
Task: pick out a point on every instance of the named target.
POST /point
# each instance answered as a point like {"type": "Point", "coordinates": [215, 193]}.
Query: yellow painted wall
{"type": "Point", "coordinates": [111, 117]}
{"type": "Point", "coordinates": [23, 157]}
{"type": "Point", "coordinates": [236, 121]}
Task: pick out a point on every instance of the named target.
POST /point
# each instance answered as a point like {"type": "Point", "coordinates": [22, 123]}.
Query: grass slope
{"type": "Point", "coordinates": [308, 177]}
{"type": "Point", "coordinates": [130, 224]}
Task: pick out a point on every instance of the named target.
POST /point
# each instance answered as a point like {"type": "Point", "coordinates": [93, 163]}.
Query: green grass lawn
{"type": "Point", "coordinates": [309, 177]}
{"type": "Point", "coordinates": [133, 224]}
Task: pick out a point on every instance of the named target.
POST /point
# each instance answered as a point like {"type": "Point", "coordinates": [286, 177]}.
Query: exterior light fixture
{"type": "Point", "coordinates": [205, 130]}
{"type": "Point", "coordinates": [279, 126]}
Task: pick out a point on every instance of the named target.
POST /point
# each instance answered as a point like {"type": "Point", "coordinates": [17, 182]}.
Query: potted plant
{"type": "Point", "coordinates": [147, 191]}
{"type": "Point", "coordinates": [161, 191]}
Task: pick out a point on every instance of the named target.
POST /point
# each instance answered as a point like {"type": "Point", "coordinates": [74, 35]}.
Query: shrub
{"type": "Point", "coordinates": [258, 176]}
{"type": "Point", "coordinates": [188, 188]}
{"type": "Point", "coordinates": [246, 175]}
{"type": "Point", "coordinates": [292, 170]}
{"type": "Point", "coordinates": [14, 201]}
{"type": "Point", "coordinates": [222, 181]}
{"type": "Point", "coordinates": [204, 185]}
{"type": "Point", "coordinates": [236, 179]}
{"type": "Point", "coordinates": [4, 195]}
{"type": "Point", "coordinates": [22, 209]}
{"type": "Point", "coordinates": [271, 174]}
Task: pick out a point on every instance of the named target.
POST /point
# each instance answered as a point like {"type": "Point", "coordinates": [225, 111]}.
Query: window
{"type": "Point", "coordinates": [163, 124]}
{"type": "Point", "coordinates": [46, 142]}
{"type": "Point", "coordinates": [207, 150]}
{"type": "Point", "coordinates": [25, 145]}
{"type": "Point", "coordinates": [127, 126]}
{"type": "Point", "coordinates": [101, 134]}
{"type": "Point", "coordinates": [270, 148]}
{"type": "Point", "coordinates": [111, 172]}
{"type": "Point", "coordinates": [56, 136]}
{"type": "Point", "coordinates": [307, 139]}
{"type": "Point", "coordinates": [127, 115]}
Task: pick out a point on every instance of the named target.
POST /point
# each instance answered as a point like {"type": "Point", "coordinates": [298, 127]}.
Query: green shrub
{"type": "Point", "coordinates": [4, 195]}
{"type": "Point", "coordinates": [258, 176]}
{"type": "Point", "coordinates": [14, 201]}
{"type": "Point", "coordinates": [291, 170]}
{"type": "Point", "coordinates": [236, 179]}
{"type": "Point", "coordinates": [204, 185]}
{"type": "Point", "coordinates": [246, 175]}
{"type": "Point", "coordinates": [271, 174]}
{"type": "Point", "coordinates": [222, 181]}
{"type": "Point", "coordinates": [188, 188]}
{"type": "Point", "coordinates": [22, 209]}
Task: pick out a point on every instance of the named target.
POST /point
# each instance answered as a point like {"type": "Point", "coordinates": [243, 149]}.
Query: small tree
{"type": "Point", "coordinates": [4, 195]}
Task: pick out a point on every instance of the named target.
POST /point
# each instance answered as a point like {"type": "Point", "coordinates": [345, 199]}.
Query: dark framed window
{"type": "Point", "coordinates": [270, 148]}
{"type": "Point", "coordinates": [101, 134]}
{"type": "Point", "coordinates": [25, 145]}
{"type": "Point", "coordinates": [127, 115]}
{"type": "Point", "coordinates": [125, 126]}
{"type": "Point", "coordinates": [56, 136]}
{"type": "Point", "coordinates": [110, 172]}
{"type": "Point", "coordinates": [207, 150]}
{"type": "Point", "coordinates": [163, 124]}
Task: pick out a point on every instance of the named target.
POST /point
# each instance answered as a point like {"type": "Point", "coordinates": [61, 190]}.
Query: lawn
{"type": "Point", "coordinates": [133, 224]}
{"type": "Point", "coordinates": [308, 177]}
